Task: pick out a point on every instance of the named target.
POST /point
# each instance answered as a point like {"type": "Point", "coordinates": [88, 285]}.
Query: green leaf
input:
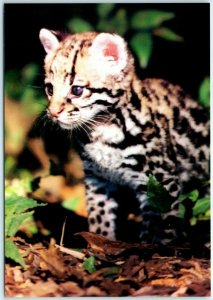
{"type": "Point", "coordinates": [15, 212]}
{"type": "Point", "coordinates": [119, 22]}
{"type": "Point", "coordinates": [193, 221]}
{"type": "Point", "coordinates": [150, 19]}
{"type": "Point", "coordinates": [29, 73]}
{"type": "Point", "coordinates": [13, 84]}
{"type": "Point", "coordinates": [167, 34]}
{"type": "Point", "coordinates": [12, 223]}
{"type": "Point", "coordinates": [18, 187]}
{"type": "Point", "coordinates": [12, 252]}
{"type": "Point", "coordinates": [158, 196]}
{"type": "Point", "coordinates": [204, 92]}
{"type": "Point", "coordinates": [193, 195]}
{"type": "Point", "coordinates": [208, 213]}
{"type": "Point", "coordinates": [71, 204]}
{"type": "Point", "coordinates": [79, 25]}
{"type": "Point", "coordinates": [181, 211]}
{"type": "Point", "coordinates": [10, 163]}
{"type": "Point", "coordinates": [16, 204]}
{"type": "Point", "coordinates": [204, 217]}
{"type": "Point", "coordinates": [142, 45]}
{"type": "Point", "coordinates": [89, 264]}
{"type": "Point", "coordinates": [104, 9]}
{"type": "Point", "coordinates": [201, 206]}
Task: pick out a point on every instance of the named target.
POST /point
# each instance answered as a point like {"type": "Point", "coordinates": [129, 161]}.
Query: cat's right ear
{"type": "Point", "coordinates": [48, 40]}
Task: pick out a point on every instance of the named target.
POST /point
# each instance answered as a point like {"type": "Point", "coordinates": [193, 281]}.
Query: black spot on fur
{"type": "Point", "coordinates": [107, 224]}
{"type": "Point", "coordinates": [145, 93]}
{"type": "Point", "coordinates": [92, 221]}
{"type": "Point", "coordinates": [98, 230]}
{"type": "Point", "coordinates": [202, 156]}
{"type": "Point", "coordinates": [198, 115]}
{"type": "Point", "coordinates": [99, 220]}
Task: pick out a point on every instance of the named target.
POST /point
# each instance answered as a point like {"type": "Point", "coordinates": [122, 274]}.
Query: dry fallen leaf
{"type": "Point", "coordinates": [105, 246]}
{"type": "Point", "coordinates": [44, 289]}
{"type": "Point", "coordinates": [54, 262]}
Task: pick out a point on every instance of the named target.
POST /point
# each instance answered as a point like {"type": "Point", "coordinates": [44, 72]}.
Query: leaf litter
{"type": "Point", "coordinates": [106, 268]}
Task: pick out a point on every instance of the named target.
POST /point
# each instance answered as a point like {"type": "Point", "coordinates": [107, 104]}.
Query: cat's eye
{"type": "Point", "coordinates": [77, 90]}
{"type": "Point", "coordinates": [49, 89]}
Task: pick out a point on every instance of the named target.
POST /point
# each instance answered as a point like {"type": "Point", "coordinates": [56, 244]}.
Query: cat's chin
{"type": "Point", "coordinates": [65, 125]}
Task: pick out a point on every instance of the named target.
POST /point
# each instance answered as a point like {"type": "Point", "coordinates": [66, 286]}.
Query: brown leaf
{"type": "Point", "coordinates": [70, 288]}
{"type": "Point", "coordinates": [53, 260]}
{"type": "Point", "coordinates": [116, 288]}
{"type": "Point", "coordinates": [132, 266]}
{"type": "Point", "coordinates": [100, 244]}
{"type": "Point", "coordinates": [44, 289]}
{"type": "Point", "coordinates": [94, 291]}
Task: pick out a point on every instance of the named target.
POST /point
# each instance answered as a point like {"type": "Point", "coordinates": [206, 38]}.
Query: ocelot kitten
{"type": "Point", "coordinates": [125, 129]}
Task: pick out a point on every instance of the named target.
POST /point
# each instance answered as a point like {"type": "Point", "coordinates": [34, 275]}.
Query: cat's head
{"type": "Point", "coordinates": [85, 74]}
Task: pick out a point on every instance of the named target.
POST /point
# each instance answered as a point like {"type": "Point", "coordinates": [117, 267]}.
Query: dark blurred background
{"type": "Point", "coordinates": [185, 63]}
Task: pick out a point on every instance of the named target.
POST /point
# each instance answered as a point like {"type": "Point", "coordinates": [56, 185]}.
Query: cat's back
{"type": "Point", "coordinates": [183, 118]}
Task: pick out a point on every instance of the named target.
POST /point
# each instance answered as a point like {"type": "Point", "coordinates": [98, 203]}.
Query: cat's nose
{"type": "Point", "coordinates": [56, 110]}
{"type": "Point", "coordinates": [54, 113]}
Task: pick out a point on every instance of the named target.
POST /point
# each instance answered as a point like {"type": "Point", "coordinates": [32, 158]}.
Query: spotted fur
{"type": "Point", "coordinates": [125, 129]}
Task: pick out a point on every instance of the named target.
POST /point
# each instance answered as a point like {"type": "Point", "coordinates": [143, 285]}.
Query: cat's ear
{"type": "Point", "coordinates": [49, 40]}
{"type": "Point", "coordinates": [110, 50]}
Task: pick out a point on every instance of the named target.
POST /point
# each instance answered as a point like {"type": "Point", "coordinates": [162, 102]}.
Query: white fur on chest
{"type": "Point", "coordinates": [104, 156]}
{"type": "Point", "coordinates": [108, 133]}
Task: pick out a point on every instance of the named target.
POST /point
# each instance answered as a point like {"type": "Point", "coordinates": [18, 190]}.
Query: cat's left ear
{"type": "Point", "coordinates": [49, 40]}
{"type": "Point", "coordinates": [110, 50]}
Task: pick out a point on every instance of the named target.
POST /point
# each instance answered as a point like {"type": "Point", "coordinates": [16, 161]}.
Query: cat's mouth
{"type": "Point", "coordinates": [68, 125]}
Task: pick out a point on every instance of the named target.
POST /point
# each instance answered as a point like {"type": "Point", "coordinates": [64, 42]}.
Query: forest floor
{"type": "Point", "coordinates": [106, 268]}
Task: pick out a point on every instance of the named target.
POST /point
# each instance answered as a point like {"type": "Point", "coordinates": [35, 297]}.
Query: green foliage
{"type": "Point", "coordinates": [104, 9]}
{"type": "Point", "coordinates": [142, 43]}
{"type": "Point", "coordinates": [158, 197]}
{"type": "Point", "coordinates": [12, 252]}
{"type": "Point", "coordinates": [19, 86]}
{"type": "Point", "coordinates": [167, 34]}
{"type": "Point", "coordinates": [18, 187]}
{"type": "Point", "coordinates": [193, 196]}
{"type": "Point", "coordinates": [71, 204]}
{"type": "Point", "coordinates": [200, 207]}
{"type": "Point", "coordinates": [149, 19]}
{"type": "Point", "coordinates": [17, 210]}
{"type": "Point", "coordinates": [141, 27]}
{"type": "Point", "coordinates": [9, 166]}
{"type": "Point", "coordinates": [89, 264]}
{"type": "Point", "coordinates": [79, 25]}
{"type": "Point", "coordinates": [204, 92]}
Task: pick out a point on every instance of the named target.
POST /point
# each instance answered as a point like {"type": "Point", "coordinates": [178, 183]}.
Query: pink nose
{"type": "Point", "coordinates": [55, 110]}
{"type": "Point", "coordinates": [54, 113]}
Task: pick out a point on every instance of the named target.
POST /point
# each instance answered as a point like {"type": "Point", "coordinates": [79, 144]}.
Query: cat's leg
{"type": "Point", "coordinates": [101, 206]}
{"type": "Point", "coordinates": [158, 225]}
